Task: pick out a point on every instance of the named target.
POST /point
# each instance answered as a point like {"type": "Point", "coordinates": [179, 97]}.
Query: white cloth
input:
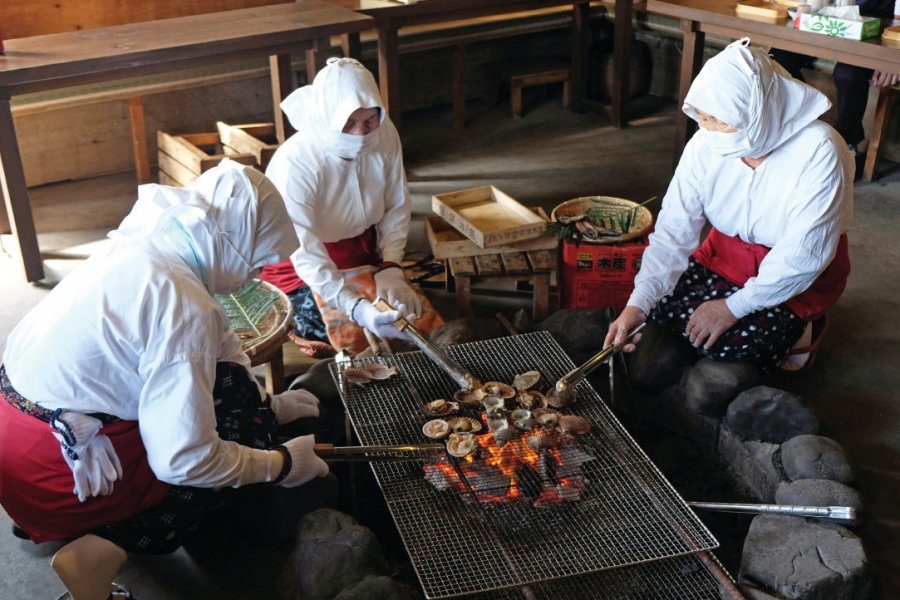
{"type": "Point", "coordinates": [134, 333]}
{"type": "Point", "coordinates": [329, 198]}
{"type": "Point", "coordinates": [797, 202]}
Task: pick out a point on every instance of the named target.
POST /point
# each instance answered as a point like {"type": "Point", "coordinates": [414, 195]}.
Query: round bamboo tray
{"type": "Point", "coordinates": [580, 206]}
{"type": "Point", "coordinates": [272, 328]}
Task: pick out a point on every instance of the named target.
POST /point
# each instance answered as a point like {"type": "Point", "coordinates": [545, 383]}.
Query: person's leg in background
{"type": "Point", "coordinates": [792, 62]}
{"type": "Point", "coordinates": [852, 90]}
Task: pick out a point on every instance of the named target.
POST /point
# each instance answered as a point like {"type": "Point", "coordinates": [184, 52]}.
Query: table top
{"type": "Point", "coordinates": [426, 10]}
{"type": "Point", "coordinates": [48, 61]}
{"type": "Point", "coordinates": [718, 17]}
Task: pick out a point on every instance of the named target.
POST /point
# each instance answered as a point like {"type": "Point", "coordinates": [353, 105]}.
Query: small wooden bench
{"type": "Point", "coordinates": [523, 73]}
{"type": "Point", "coordinates": [532, 267]}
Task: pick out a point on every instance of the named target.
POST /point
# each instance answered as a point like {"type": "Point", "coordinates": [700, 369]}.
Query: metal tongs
{"type": "Point", "coordinates": [845, 514]}
{"type": "Point", "coordinates": [463, 378]}
{"type": "Point", "coordinates": [389, 452]}
{"type": "Point", "coordinates": [572, 378]}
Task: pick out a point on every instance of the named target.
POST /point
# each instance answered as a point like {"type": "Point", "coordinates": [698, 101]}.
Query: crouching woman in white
{"type": "Point", "coordinates": [126, 398]}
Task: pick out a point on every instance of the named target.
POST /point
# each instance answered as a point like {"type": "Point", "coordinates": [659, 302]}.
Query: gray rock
{"type": "Point", "coordinates": [794, 558]}
{"type": "Point", "coordinates": [752, 464]}
{"type": "Point", "coordinates": [462, 331]}
{"type": "Point", "coordinates": [579, 331]}
{"type": "Point", "coordinates": [815, 457]}
{"type": "Point", "coordinates": [818, 492]}
{"type": "Point", "coordinates": [711, 384]}
{"type": "Point", "coordinates": [751, 593]}
{"type": "Point", "coordinates": [332, 553]}
{"type": "Point", "coordinates": [770, 415]}
{"type": "Point", "coordinates": [380, 587]}
{"type": "Point", "coordinates": [660, 360]}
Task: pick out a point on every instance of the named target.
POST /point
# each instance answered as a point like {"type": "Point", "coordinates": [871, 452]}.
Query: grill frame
{"type": "Point", "coordinates": [629, 515]}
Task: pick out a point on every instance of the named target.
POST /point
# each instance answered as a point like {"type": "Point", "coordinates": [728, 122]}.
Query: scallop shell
{"type": "Point", "coordinates": [557, 400]}
{"type": "Point", "coordinates": [464, 425]}
{"type": "Point", "coordinates": [380, 371]}
{"type": "Point", "coordinates": [531, 399]}
{"type": "Point", "coordinates": [522, 419]}
{"type": "Point", "coordinates": [493, 405]}
{"type": "Point", "coordinates": [547, 417]}
{"type": "Point", "coordinates": [496, 388]}
{"type": "Point", "coordinates": [436, 429]}
{"type": "Point", "coordinates": [357, 375]}
{"type": "Point", "coordinates": [526, 380]}
{"type": "Point", "coordinates": [440, 408]}
{"type": "Point", "coordinates": [535, 442]}
{"type": "Point", "coordinates": [363, 375]}
{"type": "Point", "coordinates": [502, 431]}
{"type": "Point", "coordinates": [469, 396]}
{"type": "Point", "coordinates": [461, 444]}
{"type": "Point", "coordinates": [574, 424]}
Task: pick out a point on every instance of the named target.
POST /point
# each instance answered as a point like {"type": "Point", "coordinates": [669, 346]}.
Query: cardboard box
{"type": "Point", "coordinates": [182, 158]}
{"type": "Point", "coordinates": [488, 217]}
{"type": "Point", "coordinates": [258, 139]}
{"type": "Point", "coordinates": [447, 242]}
{"type": "Point", "coordinates": [599, 275]}
{"type": "Point", "coordinates": [838, 27]}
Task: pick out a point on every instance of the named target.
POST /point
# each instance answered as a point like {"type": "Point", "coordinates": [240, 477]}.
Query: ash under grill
{"type": "Point", "coordinates": [627, 513]}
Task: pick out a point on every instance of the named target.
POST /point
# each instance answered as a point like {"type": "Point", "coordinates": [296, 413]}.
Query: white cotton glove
{"type": "Point", "coordinates": [305, 464]}
{"type": "Point", "coordinates": [90, 455]}
{"type": "Point", "coordinates": [294, 404]}
{"type": "Point", "coordinates": [380, 323]}
{"type": "Point", "coordinates": [391, 285]}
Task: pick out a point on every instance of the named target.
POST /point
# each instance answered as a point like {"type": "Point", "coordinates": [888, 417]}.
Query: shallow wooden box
{"type": "Point", "coordinates": [488, 217]}
{"type": "Point", "coordinates": [182, 158]}
{"type": "Point", "coordinates": [448, 242]}
{"type": "Point", "coordinates": [258, 139]}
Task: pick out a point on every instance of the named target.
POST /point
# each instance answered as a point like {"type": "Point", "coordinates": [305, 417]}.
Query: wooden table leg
{"type": "Point", "coordinates": [351, 45]}
{"type": "Point", "coordinates": [389, 71]}
{"type": "Point", "coordinates": [275, 374]}
{"type": "Point", "coordinates": [621, 62]}
{"type": "Point", "coordinates": [459, 86]}
{"type": "Point", "coordinates": [463, 296]}
{"type": "Point", "coordinates": [139, 139]}
{"type": "Point", "coordinates": [691, 61]}
{"type": "Point", "coordinates": [282, 79]}
{"type": "Point", "coordinates": [19, 219]}
{"type": "Point", "coordinates": [580, 46]}
{"type": "Point", "coordinates": [540, 304]}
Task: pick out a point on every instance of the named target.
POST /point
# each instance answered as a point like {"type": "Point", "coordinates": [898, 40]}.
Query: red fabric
{"type": "Point", "coordinates": [737, 261]}
{"type": "Point", "coordinates": [36, 483]}
{"type": "Point", "coordinates": [346, 254]}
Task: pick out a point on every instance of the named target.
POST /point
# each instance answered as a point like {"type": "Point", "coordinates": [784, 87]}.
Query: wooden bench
{"type": "Point", "coordinates": [527, 72]}
{"type": "Point", "coordinates": [532, 267]}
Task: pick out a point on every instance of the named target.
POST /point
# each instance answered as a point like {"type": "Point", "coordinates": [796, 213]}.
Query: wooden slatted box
{"type": "Point", "coordinates": [182, 158]}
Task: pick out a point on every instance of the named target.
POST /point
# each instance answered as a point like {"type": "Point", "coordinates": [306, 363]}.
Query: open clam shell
{"type": "Point", "coordinates": [440, 408]}
{"type": "Point", "coordinates": [501, 430]}
{"type": "Point", "coordinates": [531, 399]}
{"type": "Point", "coordinates": [469, 396]}
{"type": "Point", "coordinates": [574, 424]}
{"type": "Point", "coordinates": [497, 388]}
{"type": "Point", "coordinates": [436, 429]}
{"type": "Point", "coordinates": [522, 419]}
{"type": "Point", "coordinates": [380, 371]}
{"type": "Point", "coordinates": [493, 405]}
{"type": "Point", "coordinates": [526, 380]}
{"type": "Point", "coordinates": [546, 417]}
{"type": "Point", "coordinates": [464, 425]}
{"type": "Point", "coordinates": [461, 444]}
{"type": "Point", "coordinates": [557, 400]}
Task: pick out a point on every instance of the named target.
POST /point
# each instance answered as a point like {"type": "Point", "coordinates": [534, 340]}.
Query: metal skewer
{"type": "Point", "coordinates": [846, 514]}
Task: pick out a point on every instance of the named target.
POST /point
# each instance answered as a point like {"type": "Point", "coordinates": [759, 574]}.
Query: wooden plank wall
{"type": "Point", "coordinates": [23, 18]}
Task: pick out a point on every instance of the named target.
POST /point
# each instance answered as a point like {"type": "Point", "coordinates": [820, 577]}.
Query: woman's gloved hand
{"type": "Point", "coordinates": [380, 323]}
{"type": "Point", "coordinates": [90, 455]}
{"type": "Point", "coordinates": [391, 285]}
{"type": "Point", "coordinates": [305, 464]}
{"type": "Point", "coordinates": [294, 404]}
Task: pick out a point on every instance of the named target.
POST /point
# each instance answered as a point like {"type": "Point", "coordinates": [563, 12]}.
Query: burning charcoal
{"type": "Point", "coordinates": [483, 479]}
{"type": "Point", "coordinates": [570, 460]}
{"type": "Point", "coordinates": [568, 494]}
{"type": "Point", "coordinates": [546, 467]}
{"type": "Point", "coordinates": [438, 477]}
{"type": "Point", "coordinates": [529, 481]}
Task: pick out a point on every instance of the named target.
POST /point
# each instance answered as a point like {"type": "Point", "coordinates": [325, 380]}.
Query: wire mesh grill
{"type": "Point", "coordinates": [627, 514]}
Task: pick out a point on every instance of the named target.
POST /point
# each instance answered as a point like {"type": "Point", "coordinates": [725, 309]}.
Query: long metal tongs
{"type": "Point", "coordinates": [463, 378]}
{"type": "Point", "coordinates": [574, 377]}
{"type": "Point", "coordinates": [846, 514]}
{"type": "Point", "coordinates": [388, 452]}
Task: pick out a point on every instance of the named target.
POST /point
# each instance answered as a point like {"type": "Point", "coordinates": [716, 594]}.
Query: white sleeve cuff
{"type": "Point", "coordinates": [738, 306]}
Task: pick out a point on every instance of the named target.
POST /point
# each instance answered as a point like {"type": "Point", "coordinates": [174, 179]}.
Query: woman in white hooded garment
{"type": "Point", "coordinates": [342, 178]}
{"type": "Point", "coordinates": [776, 186]}
{"type": "Point", "coordinates": [113, 387]}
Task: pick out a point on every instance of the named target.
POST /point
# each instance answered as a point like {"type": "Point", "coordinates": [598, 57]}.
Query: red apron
{"type": "Point", "coordinates": [737, 261]}
{"type": "Point", "coordinates": [36, 483]}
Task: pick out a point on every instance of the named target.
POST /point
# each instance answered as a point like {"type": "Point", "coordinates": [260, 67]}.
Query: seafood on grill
{"type": "Point", "coordinates": [375, 372]}
{"type": "Point", "coordinates": [574, 424]}
{"type": "Point", "coordinates": [440, 408]}
{"type": "Point", "coordinates": [436, 429]}
{"type": "Point", "coordinates": [461, 444]}
{"type": "Point", "coordinates": [501, 430]}
{"type": "Point", "coordinates": [531, 399]}
{"type": "Point", "coordinates": [522, 419]}
{"type": "Point", "coordinates": [560, 399]}
{"type": "Point", "coordinates": [470, 397]}
{"type": "Point", "coordinates": [464, 425]}
{"type": "Point", "coordinates": [547, 417]}
{"type": "Point", "coordinates": [527, 380]}
{"type": "Point", "coordinates": [497, 388]}
{"type": "Point", "coordinates": [494, 405]}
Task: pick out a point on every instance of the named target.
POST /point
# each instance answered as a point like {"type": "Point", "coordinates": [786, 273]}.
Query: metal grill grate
{"type": "Point", "coordinates": [628, 514]}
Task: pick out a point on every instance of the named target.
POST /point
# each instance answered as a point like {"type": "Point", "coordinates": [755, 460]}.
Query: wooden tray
{"type": "Point", "coordinates": [579, 206]}
{"type": "Point", "coordinates": [891, 36]}
{"type": "Point", "coordinates": [488, 217]}
{"type": "Point", "coordinates": [762, 10]}
{"type": "Point", "coordinates": [447, 242]}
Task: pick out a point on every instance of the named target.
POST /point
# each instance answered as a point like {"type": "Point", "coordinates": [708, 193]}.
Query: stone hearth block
{"type": "Point", "coordinates": [381, 587]}
{"type": "Point", "coordinates": [752, 463]}
{"type": "Point", "coordinates": [793, 558]}
{"type": "Point", "coordinates": [711, 385]}
{"type": "Point", "coordinates": [818, 492]}
{"type": "Point", "coordinates": [755, 594]}
{"type": "Point", "coordinates": [333, 552]}
{"type": "Point", "coordinates": [579, 331]}
{"type": "Point", "coordinates": [815, 457]}
{"type": "Point", "coordinates": [770, 415]}
{"type": "Point", "coordinates": [660, 360]}
{"type": "Point", "coordinates": [667, 410]}
{"type": "Point", "coordinates": [463, 331]}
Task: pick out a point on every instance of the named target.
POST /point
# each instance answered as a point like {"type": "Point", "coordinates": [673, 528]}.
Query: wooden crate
{"type": "Point", "coordinates": [488, 217]}
{"type": "Point", "coordinates": [258, 139]}
{"type": "Point", "coordinates": [182, 158]}
{"type": "Point", "coordinates": [447, 242]}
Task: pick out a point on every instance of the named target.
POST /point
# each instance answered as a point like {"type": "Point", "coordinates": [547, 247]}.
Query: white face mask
{"type": "Point", "coordinates": [347, 145]}
{"type": "Point", "coordinates": [728, 145]}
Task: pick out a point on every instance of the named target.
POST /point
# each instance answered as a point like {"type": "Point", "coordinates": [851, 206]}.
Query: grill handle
{"type": "Point", "coordinates": [573, 377]}
{"type": "Point", "coordinates": [463, 378]}
{"type": "Point", "coordinates": [846, 514]}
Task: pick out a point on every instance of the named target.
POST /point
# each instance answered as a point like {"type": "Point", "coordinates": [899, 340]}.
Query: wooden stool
{"type": "Point", "coordinates": [879, 126]}
{"type": "Point", "coordinates": [530, 72]}
{"type": "Point", "coordinates": [534, 267]}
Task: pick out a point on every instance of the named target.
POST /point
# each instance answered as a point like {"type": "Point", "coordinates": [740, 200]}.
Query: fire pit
{"type": "Point", "coordinates": [510, 530]}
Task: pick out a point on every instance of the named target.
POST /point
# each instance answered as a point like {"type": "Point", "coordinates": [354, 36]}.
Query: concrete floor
{"type": "Point", "coordinates": [547, 157]}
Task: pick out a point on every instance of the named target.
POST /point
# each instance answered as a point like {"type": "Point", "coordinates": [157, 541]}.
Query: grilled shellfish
{"type": "Point", "coordinates": [461, 444]}
{"type": "Point", "coordinates": [363, 375]}
{"type": "Point", "coordinates": [469, 396]}
{"type": "Point", "coordinates": [522, 419]}
{"type": "Point", "coordinates": [547, 417]}
{"type": "Point", "coordinates": [531, 399]}
{"type": "Point", "coordinates": [436, 429]}
{"type": "Point", "coordinates": [440, 408]}
{"type": "Point", "coordinates": [464, 425]}
{"type": "Point", "coordinates": [496, 388]}
{"type": "Point", "coordinates": [526, 380]}
{"type": "Point", "coordinates": [574, 424]}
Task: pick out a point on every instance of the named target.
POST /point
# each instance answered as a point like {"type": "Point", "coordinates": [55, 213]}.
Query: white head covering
{"type": "Point", "coordinates": [321, 109]}
{"type": "Point", "coordinates": [230, 222]}
{"type": "Point", "coordinates": [745, 88]}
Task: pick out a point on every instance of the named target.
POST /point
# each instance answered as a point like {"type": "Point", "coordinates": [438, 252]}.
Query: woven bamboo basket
{"type": "Point", "coordinates": [261, 316]}
{"type": "Point", "coordinates": [580, 206]}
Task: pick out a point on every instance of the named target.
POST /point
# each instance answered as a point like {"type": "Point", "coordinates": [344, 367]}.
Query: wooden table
{"type": "Point", "coordinates": [390, 16]}
{"type": "Point", "coordinates": [60, 60]}
{"type": "Point", "coordinates": [699, 17]}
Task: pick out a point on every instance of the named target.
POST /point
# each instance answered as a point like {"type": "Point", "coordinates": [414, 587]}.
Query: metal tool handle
{"type": "Point", "coordinates": [573, 377]}
{"type": "Point", "coordinates": [399, 452]}
{"type": "Point", "coordinates": [836, 513]}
